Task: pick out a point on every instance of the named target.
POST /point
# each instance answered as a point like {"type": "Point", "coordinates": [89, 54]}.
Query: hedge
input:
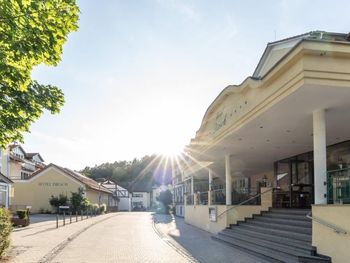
{"type": "Point", "coordinates": [5, 230]}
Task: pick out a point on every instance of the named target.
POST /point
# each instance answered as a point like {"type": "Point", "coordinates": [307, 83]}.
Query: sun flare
{"type": "Point", "coordinates": [170, 149]}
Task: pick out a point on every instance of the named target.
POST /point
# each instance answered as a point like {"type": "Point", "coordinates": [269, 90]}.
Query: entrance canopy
{"type": "Point", "coordinates": [270, 117]}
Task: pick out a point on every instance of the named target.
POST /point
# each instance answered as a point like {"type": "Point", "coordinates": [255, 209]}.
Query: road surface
{"type": "Point", "coordinates": [127, 237]}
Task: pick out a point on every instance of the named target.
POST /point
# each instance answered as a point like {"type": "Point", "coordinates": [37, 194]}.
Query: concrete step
{"type": "Point", "coordinates": [286, 216]}
{"type": "Point", "coordinates": [270, 255]}
{"type": "Point", "coordinates": [277, 232]}
{"type": "Point", "coordinates": [290, 211]}
{"type": "Point", "coordinates": [269, 237]}
{"type": "Point", "coordinates": [314, 259]}
{"type": "Point", "coordinates": [284, 227]}
{"type": "Point", "coordinates": [294, 251]}
{"type": "Point", "coordinates": [283, 221]}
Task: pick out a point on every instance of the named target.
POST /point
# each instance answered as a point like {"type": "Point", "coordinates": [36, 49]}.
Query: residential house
{"type": "Point", "coordinates": [121, 195]}
{"type": "Point", "coordinates": [5, 191]}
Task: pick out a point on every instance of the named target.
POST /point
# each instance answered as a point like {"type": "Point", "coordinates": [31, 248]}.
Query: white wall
{"type": "Point", "coordinates": [145, 199]}
{"type": "Point", "coordinates": [124, 204]}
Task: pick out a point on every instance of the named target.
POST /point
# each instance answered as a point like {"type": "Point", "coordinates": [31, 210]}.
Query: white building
{"type": "Point", "coordinates": [141, 201]}
{"type": "Point", "coordinates": [5, 191]}
{"type": "Point", "coordinates": [5, 182]}
{"type": "Point", "coordinates": [121, 194]}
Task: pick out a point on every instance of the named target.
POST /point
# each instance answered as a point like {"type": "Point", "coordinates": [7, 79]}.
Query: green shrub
{"type": "Point", "coordinates": [95, 208]}
{"type": "Point", "coordinates": [22, 214]}
{"type": "Point", "coordinates": [5, 230]}
{"type": "Point", "coordinates": [102, 208]}
{"type": "Point", "coordinates": [78, 201]}
{"type": "Point", "coordinates": [56, 201]}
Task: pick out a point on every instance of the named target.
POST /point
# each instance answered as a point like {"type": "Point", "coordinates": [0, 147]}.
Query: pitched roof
{"type": "Point", "coordinates": [317, 35]}
{"type": "Point", "coordinates": [5, 179]}
{"type": "Point", "coordinates": [14, 145]}
{"type": "Point", "coordinates": [31, 155]}
{"type": "Point", "coordinates": [113, 186]}
{"type": "Point", "coordinates": [88, 182]}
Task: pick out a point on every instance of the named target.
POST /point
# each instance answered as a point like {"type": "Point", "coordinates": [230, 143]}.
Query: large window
{"type": "Point", "coordinates": [338, 156]}
{"type": "Point", "coordinates": [24, 175]}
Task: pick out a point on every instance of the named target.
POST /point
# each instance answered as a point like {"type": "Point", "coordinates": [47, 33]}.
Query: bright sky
{"type": "Point", "coordinates": [139, 75]}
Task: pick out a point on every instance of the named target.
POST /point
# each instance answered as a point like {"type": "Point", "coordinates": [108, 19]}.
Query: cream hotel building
{"type": "Point", "coordinates": [268, 171]}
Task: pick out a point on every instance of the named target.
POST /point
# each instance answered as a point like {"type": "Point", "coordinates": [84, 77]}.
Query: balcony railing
{"type": "Point", "coordinates": [338, 184]}
{"type": "Point", "coordinates": [202, 198]}
{"type": "Point", "coordinates": [190, 199]}
{"type": "Point", "coordinates": [218, 197]}
{"type": "Point", "coordinates": [241, 194]}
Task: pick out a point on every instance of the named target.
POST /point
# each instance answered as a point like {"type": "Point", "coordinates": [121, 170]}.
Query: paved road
{"type": "Point", "coordinates": [199, 244]}
{"type": "Point", "coordinates": [119, 237]}
{"type": "Point", "coordinates": [128, 237]}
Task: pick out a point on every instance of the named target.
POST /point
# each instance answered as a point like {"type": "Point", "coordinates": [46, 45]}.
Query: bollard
{"type": "Point", "coordinates": [87, 214]}
{"type": "Point", "coordinates": [64, 218]}
{"type": "Point", "coordinates": [81, 214]}
{"type": "Point", "coordinates": [56, 220]}
{"type": "Point", "coordinates": [70, 218]}
{"type": "Point", "coordinates": [76, 216]}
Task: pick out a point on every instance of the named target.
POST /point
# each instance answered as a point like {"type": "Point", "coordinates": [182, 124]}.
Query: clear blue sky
{"type": "Point", "coordinates": [139, 75]}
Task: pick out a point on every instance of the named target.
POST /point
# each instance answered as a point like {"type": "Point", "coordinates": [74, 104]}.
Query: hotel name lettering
{"type": "Point", "coordinates": [52, 184]}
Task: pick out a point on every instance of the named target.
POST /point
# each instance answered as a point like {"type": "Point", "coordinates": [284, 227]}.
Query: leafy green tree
{"type": "Point", "coordinates": [78, 201]}
{"type": "Point", "coordinates": [166, 198]}
{"type": "Point", "coordinates": [57, 201]}
{"type": "Point", "coordinates": [32, 32]}
{"type": "Point", "coordinates": [136, 174]}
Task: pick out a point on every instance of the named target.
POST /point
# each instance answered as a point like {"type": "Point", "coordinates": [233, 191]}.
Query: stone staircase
{"type": "Point", "coordinates": [279, 235]}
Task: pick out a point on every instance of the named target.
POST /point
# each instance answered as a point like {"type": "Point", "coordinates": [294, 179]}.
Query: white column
{"type": "Point", "coordinates": [320, 156]}
{"type": "Point", "coordinates": [210, 178]}
{"type": "Point", "coordinates": [228, 180]}
{"type": "Point", "coordinates": [192, 186]}
{"type": "Point", "coordinates": [210, 182]}
{"type": "Point", "coordinates": [194, 197]}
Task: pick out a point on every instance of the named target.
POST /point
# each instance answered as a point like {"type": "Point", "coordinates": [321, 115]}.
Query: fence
{"type": "Point", "coordinates": [71, 218]}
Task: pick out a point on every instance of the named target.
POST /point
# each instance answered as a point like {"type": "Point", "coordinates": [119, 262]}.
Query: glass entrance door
{"type": "Point", "coordinates": [294, 181]}
{"type": "Point", "coordinates": [301, 187]}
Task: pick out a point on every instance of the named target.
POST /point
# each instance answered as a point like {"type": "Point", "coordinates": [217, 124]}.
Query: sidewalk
{"type": "Point", "coordinates": [198, 243]}
{"type": "Point", "coordinates": [41, 239]}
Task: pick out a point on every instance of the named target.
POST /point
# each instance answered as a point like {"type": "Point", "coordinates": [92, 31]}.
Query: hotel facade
{"type": "Point", "coordinates": [269, 168]}
{"type": "Point", "coordinates": [25, 181]}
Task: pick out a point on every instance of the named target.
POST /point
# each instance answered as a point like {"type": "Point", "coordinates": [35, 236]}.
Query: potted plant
{"type": "Point", "coordinates": [22, 218]}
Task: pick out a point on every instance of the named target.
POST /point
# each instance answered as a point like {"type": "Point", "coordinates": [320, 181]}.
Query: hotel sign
{"type": "Point", "coordinates": [220, 120]}
{"type": "Point", "coordinates": [52, 184]}
{"type": "Point", "coordinates": [212, 214]}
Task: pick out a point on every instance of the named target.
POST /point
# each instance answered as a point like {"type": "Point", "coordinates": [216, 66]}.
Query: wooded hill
{"type": "Point", "coordinates": [136, 175]}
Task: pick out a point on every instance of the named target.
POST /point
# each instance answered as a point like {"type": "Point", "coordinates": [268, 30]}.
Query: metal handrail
{"type": "Point", "coordinates": [245, 201]}
{"type": "Point", "coordinates": [336, 229]}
